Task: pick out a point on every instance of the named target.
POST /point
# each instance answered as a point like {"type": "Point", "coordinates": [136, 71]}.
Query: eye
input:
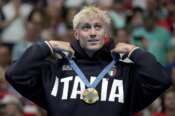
{"type": "Point", "coordinates": [85, 27]}
{"type": "Point", "coordinates": [98, 26]}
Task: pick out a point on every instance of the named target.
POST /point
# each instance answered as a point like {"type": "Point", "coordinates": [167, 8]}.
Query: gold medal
{"type": "Point", "coordinates": [90, 96]}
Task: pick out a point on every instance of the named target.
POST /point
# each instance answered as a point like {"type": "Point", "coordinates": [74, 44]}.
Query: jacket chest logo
{"type": "Point", "coordinates": [72, 88]}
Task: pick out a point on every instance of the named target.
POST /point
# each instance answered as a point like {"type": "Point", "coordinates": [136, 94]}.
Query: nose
{"type": "Point", "coordinates": [93, 33]}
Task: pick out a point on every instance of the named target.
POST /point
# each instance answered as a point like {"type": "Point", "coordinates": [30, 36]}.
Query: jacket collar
{"type": "Point", "coordinates": [102, 54]}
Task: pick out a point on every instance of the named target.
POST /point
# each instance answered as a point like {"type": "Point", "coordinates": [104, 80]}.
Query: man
{"type": "Point", "coordinates": [11, 106]}
{"type": "Point", "coordinates": [91, 82]}
{"type": "Point", "coordinates": [32, 35]}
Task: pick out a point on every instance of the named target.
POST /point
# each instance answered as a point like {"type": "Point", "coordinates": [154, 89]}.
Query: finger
{"type": "Point", "coordinates": [68, 51]}
{"type": "Point", "coordinates": [72, 52]}
{"type": "Point", "coordinates": [119, 50]}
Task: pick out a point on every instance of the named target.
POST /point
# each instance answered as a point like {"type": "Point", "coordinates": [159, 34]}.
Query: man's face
{"type": "Point", "coordinates": [91, 33]}
{"type": "Point", "coordinates": [169, 100]}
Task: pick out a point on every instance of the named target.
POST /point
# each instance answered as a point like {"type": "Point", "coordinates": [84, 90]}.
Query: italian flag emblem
{"type": "Point", "coordinates": [113, 72]}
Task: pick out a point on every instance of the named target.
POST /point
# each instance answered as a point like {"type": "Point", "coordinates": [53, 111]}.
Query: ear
{"type": "Point", "coordinates": [76, 34]}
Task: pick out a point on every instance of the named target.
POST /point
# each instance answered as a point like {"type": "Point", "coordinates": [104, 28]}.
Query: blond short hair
{"type": "Point", "coordinates": [91, 11]}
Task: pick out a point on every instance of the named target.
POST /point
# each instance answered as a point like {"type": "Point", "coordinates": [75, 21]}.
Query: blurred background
{"type": "Point", "coordinates": [149, 24]}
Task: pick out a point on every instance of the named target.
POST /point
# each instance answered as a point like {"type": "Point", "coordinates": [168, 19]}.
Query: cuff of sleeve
{"type": "Point", "coordinates": [50, 47]}
{"type": "Point", "coordinates": [130, 53]}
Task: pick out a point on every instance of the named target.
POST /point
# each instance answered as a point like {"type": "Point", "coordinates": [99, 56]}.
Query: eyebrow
{"type": "Point", "coordinates": [85, 24]}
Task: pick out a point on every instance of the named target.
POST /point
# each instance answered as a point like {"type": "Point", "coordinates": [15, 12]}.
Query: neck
{"type": "Point", "coordinates": [90, 53]}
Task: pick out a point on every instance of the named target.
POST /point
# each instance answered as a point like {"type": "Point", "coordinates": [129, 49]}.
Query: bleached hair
{"type": "Point", "coordinates": [90, 12]}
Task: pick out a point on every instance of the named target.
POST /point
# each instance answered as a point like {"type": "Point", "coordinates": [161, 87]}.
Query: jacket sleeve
{"type": "Point", "coordinates": [25, 74]}
{"type": "Point", "coordinates": [149, 79]}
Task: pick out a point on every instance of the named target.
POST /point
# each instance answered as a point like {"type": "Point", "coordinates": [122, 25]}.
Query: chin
{"type": "Point", "coordinates": [94, 48]}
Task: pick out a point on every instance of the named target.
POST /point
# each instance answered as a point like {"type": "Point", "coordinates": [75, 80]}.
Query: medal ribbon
{"type": "Point", "coordinates": [99, 77]}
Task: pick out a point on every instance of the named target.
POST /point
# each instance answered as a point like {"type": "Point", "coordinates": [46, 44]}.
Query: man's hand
{"type": "Point", "coordinates": [62, 46]}
{"type": "Point", "coordinates": [123, 48]}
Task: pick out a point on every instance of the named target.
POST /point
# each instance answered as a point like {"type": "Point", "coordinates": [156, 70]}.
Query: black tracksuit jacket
{"type": "Point", "coordinates": [53, 85]}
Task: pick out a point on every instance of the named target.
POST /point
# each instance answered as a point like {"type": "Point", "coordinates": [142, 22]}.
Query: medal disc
{"type": "Point", "coordinates": [90, 96]}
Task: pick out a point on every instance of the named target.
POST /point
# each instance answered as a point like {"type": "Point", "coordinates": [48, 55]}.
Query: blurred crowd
{"type": "Point", "coordinates": [149, 24]}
